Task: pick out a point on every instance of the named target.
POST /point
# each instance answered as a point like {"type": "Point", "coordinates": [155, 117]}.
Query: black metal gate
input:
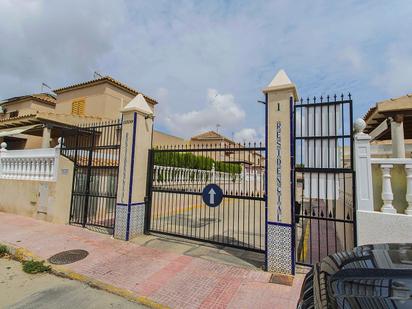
{"type": "Point", "coordinates": [177, 176]}
{"type": "Point", "coordinates": [324, 178]}
{"type": "Point", "coordinates": [95, 151]}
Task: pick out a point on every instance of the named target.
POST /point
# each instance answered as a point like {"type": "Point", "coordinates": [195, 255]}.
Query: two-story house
{"type": "Point", "coordinates": [35, 121]}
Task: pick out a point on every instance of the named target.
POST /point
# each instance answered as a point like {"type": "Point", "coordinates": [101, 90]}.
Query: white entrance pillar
{"type": "Point", "coordinates": [280, 252]}
{"type": "Point", "coordinates": [398, 139]}
{"type": "Point", "coordinates": [136, 141]}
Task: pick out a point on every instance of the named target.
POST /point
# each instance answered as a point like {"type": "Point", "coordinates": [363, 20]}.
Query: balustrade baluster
{"type": "Point", "coordinates": [408, 170]}
{"type": "Point", "coordinates": [387, 195]}
{"type": "Point", "coordinates": [5, 167]}
{"type": "Point", "coordinates": [10, 168]}
{"type": "Point", "coordinates": [15, 172]}
{"type": "Point", "coordinates": [51, 169]}
{"type": "Point", "coordinates": [30, 171]}
{"type": "Point", "coordinates": [42, 169]}
{"type": "Point", "coordinates": [37, 169]}
{"type": "Point", "coordinates": [19, 168]}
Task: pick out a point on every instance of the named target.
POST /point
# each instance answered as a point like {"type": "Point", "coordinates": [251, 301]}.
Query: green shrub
{"type": "Point", "coordinates": [34, 267]}
{"type": "Point", "coordinates": [189, 160]}
{"type": "Point", "coordinates": [3, 250]}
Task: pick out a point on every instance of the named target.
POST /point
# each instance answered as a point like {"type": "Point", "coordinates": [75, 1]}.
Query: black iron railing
{"type": "Point", "coordinates": [177, 177]}
{"type": "Point", "coordinates": [95, 151]}
{"type": "Point", "coordinates": [324, 177]}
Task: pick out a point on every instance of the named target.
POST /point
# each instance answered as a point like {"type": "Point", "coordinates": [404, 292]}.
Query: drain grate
{"type": "Point", "coordinates": [68, 257]}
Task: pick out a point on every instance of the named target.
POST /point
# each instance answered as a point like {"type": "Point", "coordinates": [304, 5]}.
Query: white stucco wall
{"type": "Point", "coordinates": [44, 200]}
{"type": "Point", "coordinates": [376, 227]}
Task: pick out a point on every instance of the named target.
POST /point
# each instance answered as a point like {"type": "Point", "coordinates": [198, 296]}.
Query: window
{"type": "Point", "coordinates": [14, 114]}
{"type": "Point", "coordinates": [78, 107]}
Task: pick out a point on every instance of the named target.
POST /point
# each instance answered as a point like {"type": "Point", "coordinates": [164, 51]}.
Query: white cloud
{"type": "Point", "coordinates": [248, 135]}
{"type": "Point", "coordinates": [396, 77]}
{"type": "Point", "coordinates": [352, 56]}
{"type": "Point", "coordinates": [56, 42]}
{"type": "Point", "coordinates": [220, 109]}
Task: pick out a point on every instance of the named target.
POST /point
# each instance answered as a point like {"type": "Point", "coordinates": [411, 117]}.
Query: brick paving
{"type": "Point", "coordinates": [167, 278]}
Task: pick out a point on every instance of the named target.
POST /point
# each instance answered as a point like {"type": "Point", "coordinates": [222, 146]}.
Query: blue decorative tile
{"type": "Point", "coordinates": [279, 249]}
{"type": "Point", "coordinates": [120, 225]}
{"type": "Point", "coordinates": [137, 219]}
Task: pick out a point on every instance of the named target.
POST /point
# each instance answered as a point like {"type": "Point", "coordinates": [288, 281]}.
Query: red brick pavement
{"type": "Point", "coordinates": [169, 279]}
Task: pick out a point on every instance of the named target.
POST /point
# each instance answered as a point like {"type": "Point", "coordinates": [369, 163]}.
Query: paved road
{"type": "Point", "coordinates": [21, 290]}
{"type": "Point", "coordinates": [234, 221]}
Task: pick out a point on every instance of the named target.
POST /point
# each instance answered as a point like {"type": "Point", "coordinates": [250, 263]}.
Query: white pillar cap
{"type": "Point", "coordinates": [138, 104]}
{"type": "Point", "coordinates": [281, 81]}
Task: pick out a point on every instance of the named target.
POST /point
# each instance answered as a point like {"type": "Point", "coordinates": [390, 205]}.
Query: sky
{"type": "Point", "coordinates": [206, 62]}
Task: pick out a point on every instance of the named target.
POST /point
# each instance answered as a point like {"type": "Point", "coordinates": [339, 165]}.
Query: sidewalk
{"type": "Point", "coordinates": [166, 278]}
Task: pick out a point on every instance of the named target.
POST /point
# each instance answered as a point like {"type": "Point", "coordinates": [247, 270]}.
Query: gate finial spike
{"type": "Point", "coordinates": [327, 98]}
{"type": "Point", "coordinates": [350, 96]}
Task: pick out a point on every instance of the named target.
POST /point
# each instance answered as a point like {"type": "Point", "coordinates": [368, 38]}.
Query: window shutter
{"type": "Point", "coordinates": [78, 107]}
{"type": "Point", "coordinates": [74, 108]}
{"type": "Point", "coordinates": [81, 107]}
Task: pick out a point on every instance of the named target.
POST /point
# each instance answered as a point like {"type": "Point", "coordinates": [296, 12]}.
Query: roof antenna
{"type": "Point", "coordinates": [45, 85]}
{"type": "Point", "coordinates": [97, 75]}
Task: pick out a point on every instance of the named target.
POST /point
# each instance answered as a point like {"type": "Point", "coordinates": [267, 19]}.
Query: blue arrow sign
{"type": "Point", "coordinates": [212, 195]}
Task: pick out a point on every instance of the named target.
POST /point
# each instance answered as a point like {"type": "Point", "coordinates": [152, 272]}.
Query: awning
{"type": "Point", "coordinates": [15, 131]}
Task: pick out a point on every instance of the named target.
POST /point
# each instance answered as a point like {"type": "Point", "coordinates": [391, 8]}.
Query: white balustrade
{"type": "Point", "coordinates": [171, 175]}
{"type": "Point", "coordinates": [363, 166]}
{"type": "Point", "coordinates": [386, 166]}
{"type": "Point", "coordinates": [33, 164]}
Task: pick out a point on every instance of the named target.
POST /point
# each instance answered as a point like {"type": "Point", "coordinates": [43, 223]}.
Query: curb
{"type": "Point", "coordinates": [21, 254]}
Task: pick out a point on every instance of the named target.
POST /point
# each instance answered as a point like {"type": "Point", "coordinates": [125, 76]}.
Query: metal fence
{"type": "Point", "coordinates": [177, 176]}
{"type": "Point", "coordinates": [95, 151]}
{"type": "Point", "coordinates": [324, 178]}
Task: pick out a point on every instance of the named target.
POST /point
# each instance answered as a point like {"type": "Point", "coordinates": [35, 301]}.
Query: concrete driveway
{"type": "Point", "coordinates": [21, 290]}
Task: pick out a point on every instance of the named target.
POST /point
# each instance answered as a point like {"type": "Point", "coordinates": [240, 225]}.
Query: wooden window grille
{"type": "Point", "coordinates": [78, 107]}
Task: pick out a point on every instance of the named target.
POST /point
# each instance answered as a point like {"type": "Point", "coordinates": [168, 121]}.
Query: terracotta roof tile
{"type": "Point", "coordinates": [18, 118]}
{"type": "Point", "coordinates": [40, 97]}
{"type": "Point", "coordinates": [101, 80]}
{"type": "Point", "coordinates": [210, 135]}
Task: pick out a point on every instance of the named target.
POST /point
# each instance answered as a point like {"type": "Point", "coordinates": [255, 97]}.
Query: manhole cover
{"type": "Point", "coordinates": [67, 257]}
